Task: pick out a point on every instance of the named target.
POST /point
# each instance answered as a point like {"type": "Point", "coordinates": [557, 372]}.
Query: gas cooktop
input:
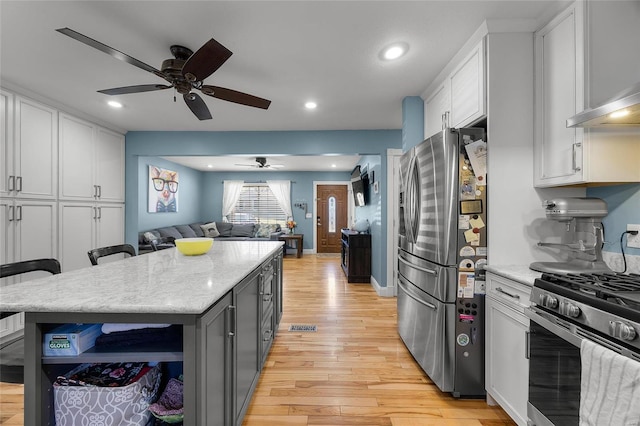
{"type": "Point", "coordinates": [611, 292]}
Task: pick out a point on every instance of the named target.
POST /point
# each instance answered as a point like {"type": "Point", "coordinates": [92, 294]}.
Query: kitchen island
{"type": "Point", "coordinates": [227, 302]}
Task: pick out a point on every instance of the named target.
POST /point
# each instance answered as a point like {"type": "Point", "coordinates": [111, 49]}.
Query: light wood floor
{"type": "Point", "coordinates": [354, 370]}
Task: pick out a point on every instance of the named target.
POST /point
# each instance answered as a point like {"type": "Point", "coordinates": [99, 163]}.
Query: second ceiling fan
{"type": "Point", "coordinates": [184, 73]}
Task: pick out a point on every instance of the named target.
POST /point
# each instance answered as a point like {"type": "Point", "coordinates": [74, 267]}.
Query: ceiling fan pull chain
{"type": "Point", "coordinates": [174, 94]}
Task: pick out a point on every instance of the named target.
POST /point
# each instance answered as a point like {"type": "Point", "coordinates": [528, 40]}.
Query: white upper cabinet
{"type": "Point", "coordinates": [568, 52]}
{"type": "Point", "coordinates": [29, 147]}
{"type": "Point", "coordinates": [468, 89]}
{"type": "Point", "coordinates": [459, 99]}
{"type": "Point", "coordinates": [91, 162]}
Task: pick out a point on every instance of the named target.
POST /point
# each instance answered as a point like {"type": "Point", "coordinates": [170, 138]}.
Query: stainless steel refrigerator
{"type": "Point", "coordinates": [441, 254]}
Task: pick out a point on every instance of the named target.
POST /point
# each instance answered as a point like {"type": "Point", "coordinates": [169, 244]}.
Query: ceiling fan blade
{"type": "Point", "coordinates": [197, 106]}
{"type": "Point", "coordinates": [235, 96]}
{"type": "Point", "coordinates": [205, 61]}
{"type": "Point", "coordinates": [110, 51]}
{"type": "Point", "coordinates": [134, 89]}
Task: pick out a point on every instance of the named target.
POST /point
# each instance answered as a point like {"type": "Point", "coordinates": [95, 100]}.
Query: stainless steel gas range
{"type": "Point", "coordinates": [567, 308]}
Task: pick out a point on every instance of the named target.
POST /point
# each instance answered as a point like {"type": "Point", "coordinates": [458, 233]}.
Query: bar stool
{"type": "Point", "coordinates": [97, 253]}
{"type": "Point", "coordinates": [12, 353]}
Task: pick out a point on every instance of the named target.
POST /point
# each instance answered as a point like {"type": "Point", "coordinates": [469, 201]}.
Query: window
{"type": "Point", "coordinates": [257, 204]}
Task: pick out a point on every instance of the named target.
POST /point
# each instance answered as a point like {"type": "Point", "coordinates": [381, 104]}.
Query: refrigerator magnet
{"type": "Point", "coordinates": [467, 251]}
{"type": "Point", "coordinates": [465, 285]}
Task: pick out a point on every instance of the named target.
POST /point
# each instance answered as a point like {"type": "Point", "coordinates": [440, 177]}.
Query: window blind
{"type": "Point", "coordinates": [257, 204]}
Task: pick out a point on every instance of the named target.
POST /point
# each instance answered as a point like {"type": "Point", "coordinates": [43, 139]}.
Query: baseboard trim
{"type": "Point", "coordinates": [382, 291]}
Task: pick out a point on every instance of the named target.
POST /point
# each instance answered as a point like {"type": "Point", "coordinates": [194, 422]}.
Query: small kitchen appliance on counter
{"type": "Point", "coordinates": [583, 217]}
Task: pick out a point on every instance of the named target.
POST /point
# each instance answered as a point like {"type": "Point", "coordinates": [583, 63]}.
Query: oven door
{"type": "Point", "coordinates": [554, 373]}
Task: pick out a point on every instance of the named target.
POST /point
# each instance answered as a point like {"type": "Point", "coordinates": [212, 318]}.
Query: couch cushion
{"type": "Point", "coordinates": [196, 227]}
{"type": "Point", "coordinates": [243, 230]}
{"type": "Point", "coordinates": [224, 228]}
{"type": "Point", "coordinates": [210, 230]}
{"type": "Point", "coordinates": [186, 231]}
{"type": "Point", "coordinates": [169, 231]}
{"type": "Point", "coordinates": [264, 230]}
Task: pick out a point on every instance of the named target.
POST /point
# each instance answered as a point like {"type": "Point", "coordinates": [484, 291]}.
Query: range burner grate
{"type": "Point", "coordinates": [613, 288]}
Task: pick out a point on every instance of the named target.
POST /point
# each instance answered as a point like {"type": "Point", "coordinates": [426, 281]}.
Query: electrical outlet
{"type": "Point", "coordinates": [633, 240]}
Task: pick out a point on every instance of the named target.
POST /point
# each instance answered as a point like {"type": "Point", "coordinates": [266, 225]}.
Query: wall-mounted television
{"type": "Point", "coordinates": [360, 187]}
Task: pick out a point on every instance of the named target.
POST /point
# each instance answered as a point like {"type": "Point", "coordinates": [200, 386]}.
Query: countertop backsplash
{"type": "Point", "coordinates": [615, 262]}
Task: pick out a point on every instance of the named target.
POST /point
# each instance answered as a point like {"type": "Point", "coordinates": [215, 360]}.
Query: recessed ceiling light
{"type": "Point", "coordinates": [619, 114]}
{"type": "Point", "coordinates": [210, 166]}
{"type": "Point", "coordinates": [310, 105]}
{"type": "Point", "coordinates": [334, 166]}
{"type": "Point", "coordinates": [394, 51]}
{"type": "Point", "coordinates": [114, 104]}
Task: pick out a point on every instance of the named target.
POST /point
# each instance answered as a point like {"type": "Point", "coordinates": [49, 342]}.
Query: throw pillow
{"type": "Point", "coordinates": [265, 230]}
{"type": "Point", "coordinates": [210, 230]}
{"type": "Point", "coordinates": [169, 231]}
{"type": "Point", "coordinates": [150, 236]}
{"type": "Point", "coordinates": [224, 228]}
{"type": "Point", "coordinates": [197, 229]}
{"type": "Point", "coordinates": [186, 231]}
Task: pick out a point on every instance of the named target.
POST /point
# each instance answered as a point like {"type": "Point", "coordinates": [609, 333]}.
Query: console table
{"type": "Point", "coordinates": [298, 238]}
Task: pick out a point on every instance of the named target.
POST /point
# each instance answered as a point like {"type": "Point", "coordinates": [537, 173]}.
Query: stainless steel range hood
{"type": "Point", "coordinates": [625, 105]}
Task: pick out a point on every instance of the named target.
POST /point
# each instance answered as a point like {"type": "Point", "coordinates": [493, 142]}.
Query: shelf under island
{"type": "Point", "coordinates": [226, 303]}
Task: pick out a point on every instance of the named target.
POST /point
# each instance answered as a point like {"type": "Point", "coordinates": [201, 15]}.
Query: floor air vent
{"type": "Point", "coordinates": [302, 327]}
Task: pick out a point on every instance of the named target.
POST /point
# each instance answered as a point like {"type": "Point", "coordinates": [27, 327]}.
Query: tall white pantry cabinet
{"type": "Point", "coordinates": [38, 159]}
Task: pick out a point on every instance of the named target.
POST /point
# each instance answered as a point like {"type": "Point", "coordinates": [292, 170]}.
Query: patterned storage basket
{"type": "Point", "coordinates": [107, 406]}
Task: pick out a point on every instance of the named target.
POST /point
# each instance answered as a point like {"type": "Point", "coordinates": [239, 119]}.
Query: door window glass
{"type": "Point", "coordinates": [332, 214]}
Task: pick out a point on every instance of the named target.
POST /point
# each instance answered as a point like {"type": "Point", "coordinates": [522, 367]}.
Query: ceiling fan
{"type": "Point", "coordinates": [184, 73]}
{"type": "Point", "coordinates": [261, 163]}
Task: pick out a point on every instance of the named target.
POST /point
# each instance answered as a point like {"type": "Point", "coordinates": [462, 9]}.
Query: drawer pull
{"type": "Point", "coordinates": [511, 295]}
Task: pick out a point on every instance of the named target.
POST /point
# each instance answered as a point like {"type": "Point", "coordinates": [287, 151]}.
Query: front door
{"type": "Point", "coordinates": [331, 208]}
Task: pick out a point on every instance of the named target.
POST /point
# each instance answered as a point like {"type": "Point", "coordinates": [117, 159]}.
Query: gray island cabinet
{"type": "Point", "coordinates": [227, 302]}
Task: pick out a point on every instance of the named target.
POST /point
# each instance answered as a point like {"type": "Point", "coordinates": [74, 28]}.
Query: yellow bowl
{"type": "Point", "coordinates": [194, 246]}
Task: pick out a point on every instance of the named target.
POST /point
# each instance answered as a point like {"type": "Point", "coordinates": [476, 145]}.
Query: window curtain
{"type": "Point", "coordinates": [281, 189]}
{"type": "Point", "coordinates": [230, 196]}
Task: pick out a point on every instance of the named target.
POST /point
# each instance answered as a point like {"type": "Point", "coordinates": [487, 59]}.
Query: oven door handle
{"type": "Point", "coordinates": [561, 332]}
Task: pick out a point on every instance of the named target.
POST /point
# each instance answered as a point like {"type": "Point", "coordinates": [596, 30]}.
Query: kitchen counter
{"type": "Point", "coordinates": [519, 273]}
{"type": "Point", "coordinates": [162, 282]}
{"type": "Point", "coordinates": [227, 303]}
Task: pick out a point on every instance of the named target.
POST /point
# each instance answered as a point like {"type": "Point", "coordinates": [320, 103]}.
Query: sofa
{"type": "Point", "coordinates": [223, 231]}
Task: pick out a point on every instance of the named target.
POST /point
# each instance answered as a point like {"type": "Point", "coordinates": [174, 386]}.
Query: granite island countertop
{"type": "Point", "coordinates": [519, 273]}
{"type": "Point", "coordinates": [162, 282]}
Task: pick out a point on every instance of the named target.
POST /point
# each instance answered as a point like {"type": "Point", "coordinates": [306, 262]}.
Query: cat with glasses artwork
{"type": "Point", "coordinates": [163, 190]}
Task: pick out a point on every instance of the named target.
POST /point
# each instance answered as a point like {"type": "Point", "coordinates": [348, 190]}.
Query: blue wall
{"type": "Point", "coordinates": [623, 202]}
{"type": "Point", "coordinates": [301, 191]}
{"type": "Point", "coordinates": [373, 212]}
{"type": "Point", "coordinates": [412, 122]}
{"type": "Point", "coordinates": [339, 142]}
{"type": "Point", "coordinates": [189, 195]}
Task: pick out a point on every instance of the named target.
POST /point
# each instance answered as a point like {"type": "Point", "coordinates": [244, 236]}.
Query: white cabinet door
{"type": "Point", "coordinates": [559, 92]}
{"type": "Point", "coordinates": [7, 174]}
{"type": "Point", "coordinates": [507, 368]}
{"type": "Point", "coordinates": [91, 162]}
{"type": "Point", "coordinates": [110, 225]}
{"type": "Point", "coordinates": [436, 110]}
{"type": "Point", "coordinates": [35, 150]}
{"type": "Point", "coordinates": [109, 162]}
{"type": "Point", "coordinates": [85, 226]}
{"type": "Point", "coordinates": [77, 230]}
{"type": "Point", "coordinates": [7, 217]}
{"type": "Point", "coordinates": [36, 230]}
{"type": "Point", "coordinates": [468, 89]}
{"type": "Point", "coordinates": [76, 159]}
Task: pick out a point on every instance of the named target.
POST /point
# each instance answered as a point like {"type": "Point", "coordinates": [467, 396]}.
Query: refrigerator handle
{"type": "Point", "coordinates": [402, 286]}
{"type": "Point", "coordinates": [419, 268]}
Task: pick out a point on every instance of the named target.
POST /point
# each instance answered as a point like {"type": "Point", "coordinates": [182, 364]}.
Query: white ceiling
{"type": "Point", "coordinates": [279, 163]}
{"type": "Point", "coordinates": [286, 51]}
